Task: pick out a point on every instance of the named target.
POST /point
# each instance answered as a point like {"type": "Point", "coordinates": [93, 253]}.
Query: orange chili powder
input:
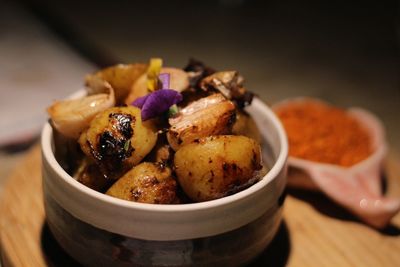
{"type": "Point", "coordinates": [323, 133]}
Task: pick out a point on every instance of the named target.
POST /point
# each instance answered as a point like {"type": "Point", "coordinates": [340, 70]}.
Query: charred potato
{"type": "Point", "coordinates": [146, 183]}
{"type": "Point", "coordinates": [117, 139]}
{"type": "Point", "coordinates": [214, 166]}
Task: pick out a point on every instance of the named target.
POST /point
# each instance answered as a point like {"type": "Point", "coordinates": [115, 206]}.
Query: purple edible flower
{"type": "Point", "coordinates": [164, 79]}
{"type": "Point", "coordinates": [139, 102]}
{"type": "Point", "coordinates": [157, 102]}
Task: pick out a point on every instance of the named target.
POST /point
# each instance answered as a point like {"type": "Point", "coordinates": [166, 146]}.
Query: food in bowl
{"type": "Point", "coordinates": [162, 135]}
{"type": "Point", "coordinates": [99, 230]}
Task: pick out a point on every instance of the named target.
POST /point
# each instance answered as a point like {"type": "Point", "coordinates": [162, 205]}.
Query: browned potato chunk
{"type": "Point", "coordinates": [216, 166]}
{"type": "Point", "coordinates": [117, 139]}
{"type": "Point", "coordinates": [245, 125]}
{"type": "Point", "coordinates": [146, 183]}
{"type": "Point", "coordinates": [138, 89]}
{"type": "Point", "coordinates": [212, 115]}
{"type": "Point", "coordinates": [121, 77]}
{"type": "Point", "coordinates": [90, 175]}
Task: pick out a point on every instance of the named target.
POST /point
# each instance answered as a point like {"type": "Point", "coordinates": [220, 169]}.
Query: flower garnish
{"type": "Point", "coordinates": [152, 73]}
{"type": "Point", "coordinates": [164, 80]}
{"type": "Point", "coordinates": [161, 98]}
{"type": "Point", "coordinates": [157, 102]}
{"type": "Point", "coordinates": [127, 145]}
{"type": "Point", "coordinates": [173, 110]}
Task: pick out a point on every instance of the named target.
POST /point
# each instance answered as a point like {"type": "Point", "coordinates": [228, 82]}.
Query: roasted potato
{"type": "Point", "coordinates": [121, 77]}
{"type": "Point", "coordinates": [117, 139]}
{"type": "Point", "coordinates": [215, 166]}
{"type": "Point", "coordinates": [211, 115]}
{"type": "Point", "coordinates": [245, 125]}
{"type": "Point", "coordinates": [90, 175]}
{"type": "Point", "coordinates": [146, 183]}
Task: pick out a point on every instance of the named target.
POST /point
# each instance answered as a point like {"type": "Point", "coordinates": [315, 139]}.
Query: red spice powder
{"type": "Point", "coordinates": [323, 133]}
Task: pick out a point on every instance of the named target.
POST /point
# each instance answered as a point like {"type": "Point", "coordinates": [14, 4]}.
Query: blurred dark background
{"type": "Point", "coordinates": [346, 52]}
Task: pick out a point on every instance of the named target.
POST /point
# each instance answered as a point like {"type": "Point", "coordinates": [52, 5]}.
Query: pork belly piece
{"type": "Point", "coordinates": [211, 115]}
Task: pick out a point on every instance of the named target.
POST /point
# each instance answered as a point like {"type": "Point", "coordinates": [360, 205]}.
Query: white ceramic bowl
{"type": "Point", "coordinates": [99, 230]}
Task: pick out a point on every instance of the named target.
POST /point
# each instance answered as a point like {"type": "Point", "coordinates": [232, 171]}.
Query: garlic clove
{"type": "Point", "coordinates": [70, 117]}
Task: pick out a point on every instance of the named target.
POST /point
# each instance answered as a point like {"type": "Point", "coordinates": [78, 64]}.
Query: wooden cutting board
{"type": "Point", "coordinates": [315, 232]}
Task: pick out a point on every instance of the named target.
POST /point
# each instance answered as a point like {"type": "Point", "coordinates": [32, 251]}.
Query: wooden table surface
{"type": "Point", "coordinates": [315, 232]}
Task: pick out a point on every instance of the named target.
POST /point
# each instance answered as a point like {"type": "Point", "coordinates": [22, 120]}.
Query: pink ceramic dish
{"type": "Point", "coordinates": [357, 188]}
{"type": "Point", "coordinates": [99, 230]}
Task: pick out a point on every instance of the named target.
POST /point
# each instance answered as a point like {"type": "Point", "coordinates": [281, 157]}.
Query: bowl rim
{"type": "Point", "coordinates": [279, 164]}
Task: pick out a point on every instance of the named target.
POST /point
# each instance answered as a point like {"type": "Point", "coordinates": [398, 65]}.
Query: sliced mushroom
{"type": "Point", "coordinates": [212, 115]}
{"type": "Point", "coordinates": [230, 84]}
{"type": "Point", "coordinates": [197, 70]}
{"type": "Point", "coordinates": [222, 81]}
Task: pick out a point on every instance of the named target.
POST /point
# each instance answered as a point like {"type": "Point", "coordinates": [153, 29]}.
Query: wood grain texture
{"type": "Point", "coordinates": [23, 214]}
{"type": "Point", "coordinates": [317, 232]}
